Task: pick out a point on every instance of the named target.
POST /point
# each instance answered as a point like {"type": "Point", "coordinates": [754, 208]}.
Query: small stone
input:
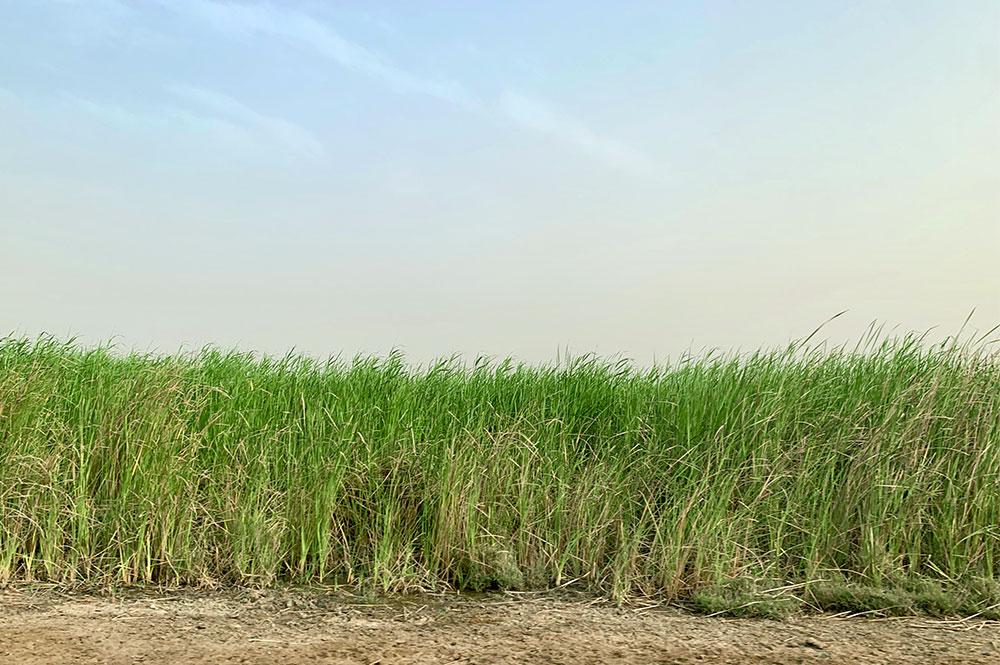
{"type": "Point", "coordinates": [813, 643]}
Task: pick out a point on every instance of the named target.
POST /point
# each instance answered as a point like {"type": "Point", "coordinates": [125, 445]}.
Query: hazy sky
{"type": "Point", "coordinates": [496, 177]}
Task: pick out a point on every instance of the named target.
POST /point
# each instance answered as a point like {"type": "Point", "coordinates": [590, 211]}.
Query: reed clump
{"type": "Point", "coordinates": [824, 470]}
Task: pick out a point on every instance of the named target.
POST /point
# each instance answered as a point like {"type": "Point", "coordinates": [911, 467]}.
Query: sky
{"type": "Point", "coordinates": [502, 178]}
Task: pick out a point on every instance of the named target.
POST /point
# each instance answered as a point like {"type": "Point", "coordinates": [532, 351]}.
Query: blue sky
{"type": "Point", "coordinates": [500, 178]}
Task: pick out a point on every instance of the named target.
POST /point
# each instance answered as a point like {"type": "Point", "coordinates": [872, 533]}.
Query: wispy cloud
{"type": "Point", "coordinates": [158, 121]}
{"type": "Point", "coordinates": [276, 130]}
{"type": "Point", "coordinates": [102, 21]}
{"type": "Point", "coordinates": [197, 114]}
{"type": "Point", "coordinates": [305, 31]}
{"type": "Point", "coordinates": [540, 117]}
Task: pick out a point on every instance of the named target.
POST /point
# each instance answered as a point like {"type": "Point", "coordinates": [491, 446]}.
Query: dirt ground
{"type": "Point", "coordinates": [41, 626]}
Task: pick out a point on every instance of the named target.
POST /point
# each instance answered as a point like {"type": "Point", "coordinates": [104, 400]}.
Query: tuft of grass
{"type": "Point", "coordinates": [862, 599]}
{"type": "Point", "coordinates": [875, 466]}
{"type": "Point", "coordinates": [746, 598]}
{"type": "Point", "coordinates": [971, 598]}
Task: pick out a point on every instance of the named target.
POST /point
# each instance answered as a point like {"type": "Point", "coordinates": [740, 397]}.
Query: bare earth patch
{"type": "Point", "coordinates": [39, 626]}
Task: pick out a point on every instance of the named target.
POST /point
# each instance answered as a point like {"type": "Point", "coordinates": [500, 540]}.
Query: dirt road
{"type": "Point", "coordinates": [39, 626]}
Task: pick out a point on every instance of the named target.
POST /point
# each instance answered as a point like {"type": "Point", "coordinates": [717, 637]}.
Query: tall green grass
{"type": "Point", "coordinates": [869, 465]}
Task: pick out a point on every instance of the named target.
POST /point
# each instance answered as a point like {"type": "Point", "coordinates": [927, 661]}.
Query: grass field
{"type": "Point", "coordinates": [845, 478]}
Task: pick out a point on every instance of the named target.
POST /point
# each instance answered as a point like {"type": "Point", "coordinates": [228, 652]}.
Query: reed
{"type": "Point", "coordinates": [876, 465]}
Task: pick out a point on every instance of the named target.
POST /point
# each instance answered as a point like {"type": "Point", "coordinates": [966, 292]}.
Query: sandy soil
{"type": "Point", "coordinates": [39, 626]}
